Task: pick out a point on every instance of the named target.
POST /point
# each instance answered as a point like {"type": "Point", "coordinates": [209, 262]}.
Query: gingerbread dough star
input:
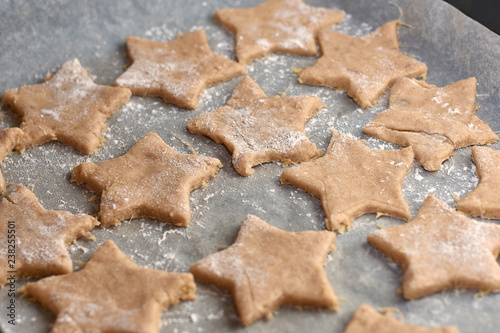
{"type": "Point", "coordinates": [9, 138]}
{"type": "Point", "coordinates": [441, 249]}
{"type": "Point", "coordinates": [69, 108]}
{"type": "Point", "coordinates": [283, 26]}
{"type": "Point", "coordinates": [267, 267]}
{"type": "Point", "coordinates": [111, 294]}
{"type": "Point", "coordinates": [484, 200]}
{"type": "Point", "coordinates": [366, 319]}
{"type": "Point", "coordinates": [258, 129]}
{"type": "Point", "coordinates": [364, 67]}
{"type": "Point", "coordinates": [178, 71]}
{"type": "Point", "coordinates": [41, 236]}
{"type": "Point", "coordinates": [150, 180]}
{"type": "Point", "coordinates": [351, 180]}
{"type": "Point", "coordinates": [434, 121]}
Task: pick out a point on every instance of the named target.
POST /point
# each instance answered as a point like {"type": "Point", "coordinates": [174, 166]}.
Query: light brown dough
{"type": "Point", "coordinates": [441, 249]}
{"type": "Point", "coordinates": [69, 108]}
{"type": "Point", "coordinates": [367, 320]}
{"type": "Point", "coordinates": [365, 66]}
{"type": "Point", "coordinates": [267, 267]}
{"type": "Point", "coordinates": [111, 294]}
{"type": "Point", "coordinates": [283, 26]}
{"type": "Point", "coordinates": [150, 180]}
{"type": "Point", "coordinates": [351, 180]}
{"type": "Point", "coordinates": [9, 138]}
{"type": "Point", "coordinates": [41, 236]}
{"type": "Point", "coordinates": [258, 129]}
{"type": "Point", "coordinates": [434, 121]}
{"type": "Point", "coordinates": [177, 71]}
{"type": "Point", "coordinates": [484, 200]}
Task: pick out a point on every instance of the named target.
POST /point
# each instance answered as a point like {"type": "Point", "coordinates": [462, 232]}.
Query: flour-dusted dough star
{"type": "Point", "coordinates": [364, 67]}
{"type": "Point", "coordinates": [258, 129]}
{"type": "Point", "coordinates": [434, 121]}
{"type": "Point", "coordinates": [352, 179]}
{"type": "Point", "coordinates": [9, 138]}
{"type": "Point", "coordinates": [111, 294]}
{"type": "Point", "coordinates": [41, 236]}
{"type": "Point", "coordinates": [484, 200]}
{"type": "Point", "coordinates": [368, 320]}
{"type": "Point", "coordinates": [150, 180]}
{"type": "Point", "coordinates": [283, 26]}
{"type": "Point", "coordinates": [69, 108]}
{"type": "Point", "coordinates": [267, 267]}
{"type": "Point", "coordinates": [441, 249]}
{"type": "Point", "coordinates": [177, 71]}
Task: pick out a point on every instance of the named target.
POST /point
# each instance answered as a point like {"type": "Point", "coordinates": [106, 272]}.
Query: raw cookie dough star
{"type": "Point", "coordinates": [258, 129]}
{"type": "Point", "coordinates": [352, 179]}
{"type": "Point", "coordinates": [434, 121]}
{"type": "Point", "coordinates": [9, 138]}
{"type": "Point", "coordinates": [150, 180]}
{"type": "Point", "coordinates": [111, 294]}
{"type": "Point", "coordinates": [177, 71]}
{"type": "Point", "coordinates": [283, 26]}
{"type": "Point", "coordinates": [267, 267]}
{"type": "Point", "coordinates": [69, 108]}
{"type": "Point", "coordinates": [484, 200]}
{"type": "Point", "coordinates": [364, 67]}
{"type": "Point", "coordinates": [366, 319]}
{"type": "Point", "coordinates": [41, 236]}
{"type": "Point", "coordinates": [441, 249]}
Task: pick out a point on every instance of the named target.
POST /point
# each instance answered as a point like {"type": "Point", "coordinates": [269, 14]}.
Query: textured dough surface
{"type": "Point", "coordinates": [177, 71]}
{"type": "Point", "coordinates": [484, 200]}
{"type": "Point", "coordinates": [69, 108]}
{"type": "Point", "coordinates": [434, 121]}
{"type": "Point", "coordinates": [111, 294]}
{"type": "Point", "coordinates": [442, 249]}
{"type": "Point", "coordinates": [282, 26]}
{"type": "Point", "coordinates": [9, 138]}
{"type": "Point", "coordinates": [258, 129]}
{"type": "Point", "coordinates": [41, 236]}
{"type": "Point", "coordinates": [267, 267]}
{"type": "Point", "coordinates": [352, 179]}
{"type": "Point", "coordinates": [367, 320]}
{"type": "Point", "coordinates": [150, 180]}
{"type": "Point", "coordinates": [364, 67]}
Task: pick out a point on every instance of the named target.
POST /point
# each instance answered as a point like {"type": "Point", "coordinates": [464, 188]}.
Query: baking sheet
{"type": "Point", "coordinates": [36, 37]}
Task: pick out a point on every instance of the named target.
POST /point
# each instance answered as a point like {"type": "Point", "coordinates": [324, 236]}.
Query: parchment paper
{"type": "Point", "coordinates": [36, 37]}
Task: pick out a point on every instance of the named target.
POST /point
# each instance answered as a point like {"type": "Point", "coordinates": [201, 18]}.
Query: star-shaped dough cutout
{"type": "Point", "coordinates": [366, 319]}
{"type": "Point", "coordinates": [258, 129]}
{"type": "Point", "coordinates": [282, 26]}
{"type": "Point", "coordinates": [267, 267]}
{"type": "Point", "coordinates": [9, 138]}
{"type": "Point", "coordinates": [441, 249]}
{"type": "Point", "coordinates": [484, 200]}
{"type": "Point", "coordinates": [41, 236]}
{"type": "Point", "coordinates": [69, 108]}
{"type": "Point", "coordinates": [364, 67]}
{"type": "Point", "coordinates": [111, 294]}
{"type": "Point", "coordinates": [150, 180]}
{"type": "Point", "coordinates": [434, 121]}
{"type": "Point", "coordinates": [352, 179]}
{"type": "Point", "coordinates": [177, 71]}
